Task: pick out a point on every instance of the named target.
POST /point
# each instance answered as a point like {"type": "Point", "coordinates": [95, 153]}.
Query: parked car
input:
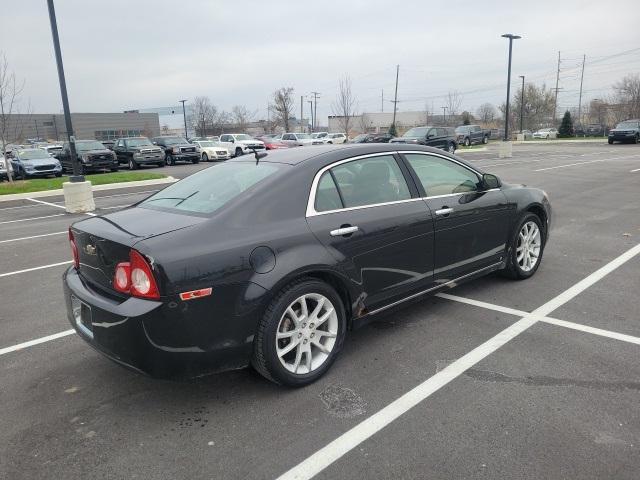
{"type": "Point", "coordinates": [627, 131]}
{"type": "Point", "coordinates": [301, 245]}
{"type": "Point", "coordinates": [239, 143]}
{"type": "Point", "coordinates": [211, 150]}
{"type": "Point", "coordinates": [136, 151]}
{"type": "Point", "coordinates": [472, 135]}
{"type": "Point", "coordinates": [439, 137]}
{"type": "Point", "coordinates": [92, 155]}
{"type": "Point", "coordinates": [271, 143]}
{"type": "Point", "coordinates": [176, 149]}
{"type": "Point", "coordinates": [108, 143]}
{"type": "Point", "coordinates": [546, 133]}
{"type": "Point", "coordinates": [52, 149]}
{"type": "Point", "coordinates": [319, 134]}
{"type": "Point", "coordinates": [299, 139]}
{"type": "Point", "coordinates": [4, 164]}
{"type": "Point", "coordinates": [527, 134]}
{"type": "Point", "coordinates": [34, 162]}
{"type": "Point", "coordinates": [212, 138]}
{"type": "Point", "coordinates": [595, 130]}
{"type": "Point", "coordinates": [336, 138]}
{"type": "Point", "coordinates": [371, 138]}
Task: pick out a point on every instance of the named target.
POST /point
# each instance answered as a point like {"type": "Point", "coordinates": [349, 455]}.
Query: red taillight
{"type": "Point", "coordinates": [74, 250]}
{"type": "Point", "coordinates": [135, 277]}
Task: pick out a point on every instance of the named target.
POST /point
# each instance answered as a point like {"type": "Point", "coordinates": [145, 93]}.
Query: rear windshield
{"type": "Point", "coordinates": [210, 189]}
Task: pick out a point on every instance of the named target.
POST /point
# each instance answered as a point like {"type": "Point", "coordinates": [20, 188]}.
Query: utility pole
{"type": "Point", "coordinates": [301, 112]}
{"type": "Point", "coordinates": [395, 98]}
{"type": "Point", "coordinates": [37, 134]}
{"type": "Point", "coordinates": [444, 115]}
{"type": "Point", "coordinates": [382, 101]}
{"type": "Point", "coordinates": [77, 177]}
{"type": "Point", "coordinates": [184, 114]}
{"type": "Point", "coordinates": [316, 95]}
{"type": "Point", "coordinates": [584, 57]}
{"type": "Point", "coordinates": [522, 106]}
{"type": "Point", "coordinates": [55, 126]}
{"type": "Point", "coordinates": [311, 113]}
{"type": "Point", "coordinates": [511, 38]}
{"type": "Point", "coordinates": [555, 102]}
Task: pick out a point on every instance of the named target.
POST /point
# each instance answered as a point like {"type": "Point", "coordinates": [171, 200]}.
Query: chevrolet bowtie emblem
{"type": "Point", "coordinates": [90, 249]}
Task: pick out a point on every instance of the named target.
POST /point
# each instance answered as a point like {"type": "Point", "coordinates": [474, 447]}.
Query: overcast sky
{"type": "Point", "coordinates": [127, 54]}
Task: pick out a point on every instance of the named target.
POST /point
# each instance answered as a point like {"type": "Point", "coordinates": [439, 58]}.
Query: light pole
{"type": "Point", "coordinates": [522, 106]}
{"type": "Point", "coordinates": [511, 38]}
{"type": "Point", "coordinates": [76, 177]}
{"type": "Point", "coordinates": [184, 114]}
{"type": "Point", "coordinates": [444, 115]}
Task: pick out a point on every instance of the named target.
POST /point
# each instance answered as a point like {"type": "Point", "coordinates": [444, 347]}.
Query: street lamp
{"type": "Point", "coordinates": [522, 105]}
{"type": "Point", "coordinates": [77, 177]}
{"type": "Point", "coordinates": [444, 115]}
{"type": "Point", "coordinates": [511, 38]}
{"type": "Point", "coordinates": [184, 114]}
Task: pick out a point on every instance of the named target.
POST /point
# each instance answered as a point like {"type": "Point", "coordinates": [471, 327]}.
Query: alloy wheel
{"type": "Point", "coordinates": [306, 333]}
{"type": "Point", "coordinates": [452, 148]}
{"type": "Point", "coordinates": [529, 245]}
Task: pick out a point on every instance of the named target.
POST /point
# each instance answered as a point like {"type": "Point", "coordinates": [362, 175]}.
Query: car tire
{"type": "Point", "coordinates": [239, 152]}
{"type": "Point", "coordinates": [636, 139]}
{"type": "Point", "coordinates": [518, 268]}
{"type": "Point", "coordinates": [467, 142]}
{"type": "Point", "coordinates": [485, 140]}
{"type": "Point", "coordinates": [161, 164]}
{"type": "Point", "coordinates": [205, 157]}
{"type": "Point", "coordinates": [279, 359]}
{"type": "Point", "coordinates": [58, 174]}
{"type": "Point", "coordinates": [610, 142]}
{"type": "Point", "coordinates": [451, 148]}
{"type": "Point", "coordinates": [195, 160]}
{"type": "Point", "coordinates": [132, 164]}
{"type": "Point", "coordinates": [168, 159]}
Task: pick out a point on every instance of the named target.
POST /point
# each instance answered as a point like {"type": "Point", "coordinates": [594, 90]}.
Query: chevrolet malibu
{"type": "Point", "coordinates": [271, 260]}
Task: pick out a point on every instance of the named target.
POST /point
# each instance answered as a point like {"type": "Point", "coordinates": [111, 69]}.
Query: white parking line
{"type": "Point", "coordinates": [37, 341]}
{"type": "Point", "coordinates": [367, 428]}
{"type": "Point", "coordinates": [8, 274]}
{"type": "Point", "coordinates": [33, 236]}
{"type": "Point", "coordinates": [636, 170]}
{"type": "Point", "coordinates": [117, 206]}
{"type": "Point", "coordinates": [20, 207]}
{"type": "Point", "coordinates": [56, 205]}
{"type": "Point", "coordinates": [585, 163]}
{"type": "Point", "coordinates": [33, 218]}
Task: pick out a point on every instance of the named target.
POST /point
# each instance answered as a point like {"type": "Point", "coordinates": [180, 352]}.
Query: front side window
{"type": "Point", "coordinates": [442, 177]}
{"type": "Point", "coordinates": [370, 181]}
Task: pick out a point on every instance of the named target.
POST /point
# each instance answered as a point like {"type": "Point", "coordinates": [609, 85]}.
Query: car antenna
{"type": "Point", "coordinates": [258, 155]}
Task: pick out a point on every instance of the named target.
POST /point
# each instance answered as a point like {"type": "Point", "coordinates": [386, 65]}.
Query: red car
{"type": "Point", "coordinates": [272, 143]}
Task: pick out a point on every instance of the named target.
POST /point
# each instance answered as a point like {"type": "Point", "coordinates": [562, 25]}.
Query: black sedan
{"type": "Point", "coordinates": [270, 261]}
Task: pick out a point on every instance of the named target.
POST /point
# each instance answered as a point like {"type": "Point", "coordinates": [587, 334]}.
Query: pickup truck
{"type": "Point", "coordinates": [472, 135]}
{"type": "Point", "coordinates": [177, 149]}
{"type": "Point", "coordinates": [439, 137]}
{"type": "Point", "coordinates": [92, 155]}
{"type": "Point", "coordinates": [240, 143]}
{"type": "Point", "coordinates": [136, 151]}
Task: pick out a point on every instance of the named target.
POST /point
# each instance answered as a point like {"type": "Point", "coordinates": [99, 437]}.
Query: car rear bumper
{"type": "Point", "coordinates": [156, 337]}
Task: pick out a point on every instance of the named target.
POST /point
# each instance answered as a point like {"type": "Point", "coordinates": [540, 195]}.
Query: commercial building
{"type": "Point", "coordinates": [379, 122]}
{"type": "Point", "coordinates": [86, 126]}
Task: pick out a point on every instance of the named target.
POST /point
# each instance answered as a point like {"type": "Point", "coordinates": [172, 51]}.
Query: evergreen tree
{"type": "Point", "coordinates": [392, 130]}
{"type": "Point", "coordinates": [566, 127]}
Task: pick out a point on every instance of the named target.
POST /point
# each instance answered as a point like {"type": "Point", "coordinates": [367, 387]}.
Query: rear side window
{"type": "Point", "coordinates": [327, 196]}
{"type": "Point", "coordinates": [442, 177]}
{"type": "Point", "coordinates": [210, 189]}
{"type": "Point", "coordinates": [370, 181]}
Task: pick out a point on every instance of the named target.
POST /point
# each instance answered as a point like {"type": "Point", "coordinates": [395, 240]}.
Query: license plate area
{"type": "Point", "coordinates": [82, 316]}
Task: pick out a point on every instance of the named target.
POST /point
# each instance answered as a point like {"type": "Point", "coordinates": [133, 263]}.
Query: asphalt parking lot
{"type": "Point", "coordinates": [494, 379]}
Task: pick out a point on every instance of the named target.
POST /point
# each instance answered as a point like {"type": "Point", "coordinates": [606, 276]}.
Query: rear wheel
{"type": "Point", "coordinates": [132, 164]}
{"type": "Point", "coordinates": [527, 245]}
{"type": "Point", "coordinates": [610, 142]}
{"type": "Point", "coordinates": [451, 148]}
{"type": "Point", "coordinates": [301, 333]}
{"type": "Point", "coordinates": [636, 139]}
{"type": "Point", "coordinates": [205, 157]}
{"type": "Point", "coordinates": [467, 142]}
{"type": "Point", "coordinates": [485, 140]}
{"type": "Point", "coordinates": [169, 160]}
{"type": "Point", "coordinates": [239, 152]}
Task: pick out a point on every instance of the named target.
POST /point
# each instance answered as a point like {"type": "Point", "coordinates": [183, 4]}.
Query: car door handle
{"type": "Point", "coordinates": [343, 231]}
{"type": "Point", "coordinates": [444, 211]}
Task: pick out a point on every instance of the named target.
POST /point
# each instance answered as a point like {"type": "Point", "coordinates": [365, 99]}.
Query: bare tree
{"type": "Point", "coordinates": [241, 117]}
{"type": "Point", "coordinates": [10, 90]}
{"type": "Point", "coordinates": [345, 105]}
{"type": "Point", "coordinates": [627, 95]}
{"type": "Point", "coordinates": [202, 114]}
{"type": "Point", "coordinates": [486, 112]}
{"type": "Point", "coordinates": [453, 102]}
{"type": "Point", "coordinates": [282, 107]}
{"type": "Point", "coordinates": [364, 122]}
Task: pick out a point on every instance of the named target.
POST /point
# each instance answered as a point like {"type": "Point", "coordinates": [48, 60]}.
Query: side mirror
{"type": "Point", "coordinates": [490, 181]}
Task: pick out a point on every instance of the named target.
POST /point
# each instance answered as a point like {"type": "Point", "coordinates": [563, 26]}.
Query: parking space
{"type": "Point", "coordinates": [465, 385]}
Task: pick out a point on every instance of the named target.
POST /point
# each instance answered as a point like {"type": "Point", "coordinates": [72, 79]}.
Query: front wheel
{"type": "Point", "coordinates": [59, 174]}
{"type": "Point", "coordinates": [610, 142]}
{"type": "Point", "coordinates": [636, 139]}
{"type": "Point", "coordinates": [467, 142]}
{"type": "Point", "coordinates": [485, 140]}
{"type": "Point", "coordinates": [195, 160]}
{"type": "Point", "coordinates": [205, 157]}
{"type": "Point", "coordinates": [169, 160]}
{"type": "Point", "coordinates": [451, 148]}
{"type": "Point", "coordinates": [300, 334]}
{"type": "Point", "coordinates": [239, 152]}
{"type": "Point", "coordinates": [525, 251]}
{"type": "Point", "coordinates": [132, 164]}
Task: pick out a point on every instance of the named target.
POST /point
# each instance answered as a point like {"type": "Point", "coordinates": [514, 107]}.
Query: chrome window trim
{"type": "Point", "coordinates": [311, 211]}
{"type": "Point", "coordinates": [311, 207]}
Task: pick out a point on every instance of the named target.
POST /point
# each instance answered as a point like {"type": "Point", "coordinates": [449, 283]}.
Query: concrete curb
{"type": "Point", "coordinates": [473, 150]}
{"type": "Point", "coordinates": [97, 188]}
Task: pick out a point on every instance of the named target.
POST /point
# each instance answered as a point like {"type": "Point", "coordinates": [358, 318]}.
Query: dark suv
{"type": "Point", "coordinates": [439, 137]}
{"type": "Point", "coordinates": [136, 151]}
{"type": "Point", "coordinates": [372, 138]}
{"type": "Point", "coordinates": [92, 155]}
{"type": "Point", "coordinates": [627, 131]}
{"type": "Point", "coordinates": [177, 149]}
